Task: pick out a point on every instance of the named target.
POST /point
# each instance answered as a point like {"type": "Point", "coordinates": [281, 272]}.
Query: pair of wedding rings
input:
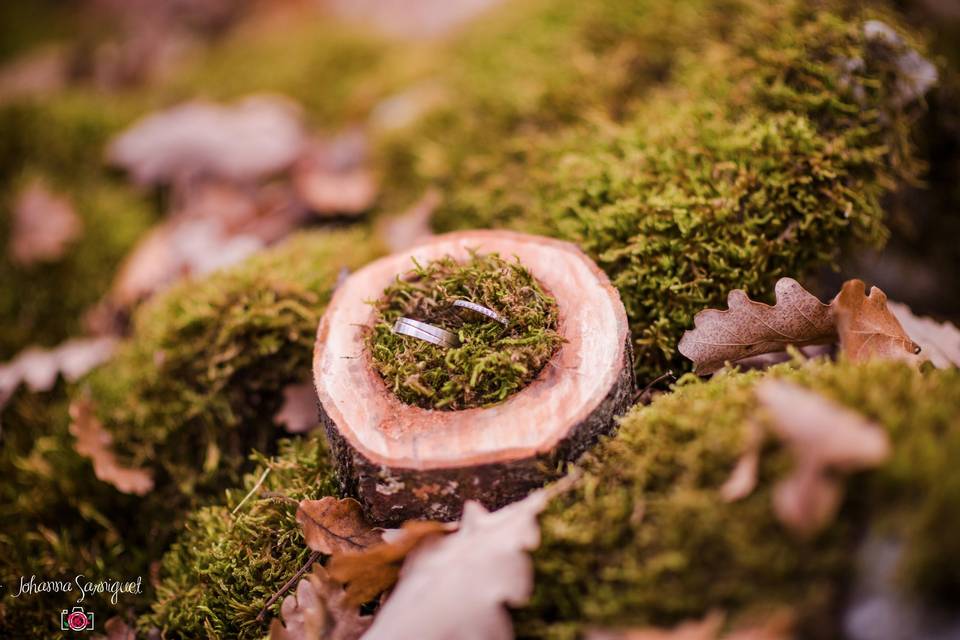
{"type": "Point", "coordinates": [436, 335]}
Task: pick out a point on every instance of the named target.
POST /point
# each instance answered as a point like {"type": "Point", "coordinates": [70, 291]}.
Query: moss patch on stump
{"type": "Point", "coordinates": [492, 361]}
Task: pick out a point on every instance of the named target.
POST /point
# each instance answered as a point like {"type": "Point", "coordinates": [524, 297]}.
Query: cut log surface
{"type": "Point", "coordinates": [403, 461]}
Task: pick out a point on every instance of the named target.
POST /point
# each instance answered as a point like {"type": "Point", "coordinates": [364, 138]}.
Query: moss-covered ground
{"type": "Point", "coordinates": [689, 147]}
{"type": "Point", "coordinates": [492, 361]}
{"type": "Point", "coordinates": [645, 537]}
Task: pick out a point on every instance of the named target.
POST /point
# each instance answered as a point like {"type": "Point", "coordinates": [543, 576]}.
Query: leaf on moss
{"type": "Point", "coordinates": [825, 439]}
{"type": "Point", "coordinates": [939, 341]}
{"type": "Point", "coordinates": [867, 328]}
{"type": "Point", "coordinates": [252, 138]}
{"type": "Point", "coordinates": [333, 178]}
{"type": "Point", "coordinates": [455, 586]}
{"type": "Point", "coordinates": [93, 441]}
{"type": "Point", "coordinates": [743, 479]}
{"type": "Point", "coordinates": [331, 525]}
{"type": "Point", "coordinates": [39, 368]}
{"type": "Point", "coordinates": [43, 225]}
{"type": "Point", "coordinates": [864, 326]}
{"type": "Point", "coordinates": [372, 571]}
{"type": "Point", "coordinates": [748, 328]}
{"type": "Point", "coordinates": [318, 610]}
{"type": "Point", "coordinates": [299, 411]}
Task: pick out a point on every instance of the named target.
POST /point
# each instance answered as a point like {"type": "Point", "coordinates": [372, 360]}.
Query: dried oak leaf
{"type": "Point", "coordinates": [249, 139]}
{"type": "Point", "coordinates": [939, 341]}
{"type": "Point", "coordinates": [43, 225]}
{"type": "Point", "coordinates": [318, 610]}
{"type": "Point", "coordinates": [93, 441]}
{"type": "Point", "coordinates": [331, 525]}
{"type": "Point", "coordinates": [455, 586]}
{"type": "Point", "coordinates": [867, 328]}
{"type": "Point", "coordinates": [299, 411]}
{"type": "Point", "coordinates": [372, 571]}
{"type": "Point", "coordinates": [825, 439]}
{"type": "Point", "coordinates": [748, 328]}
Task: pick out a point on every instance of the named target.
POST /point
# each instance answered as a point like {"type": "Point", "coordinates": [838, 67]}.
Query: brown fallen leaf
{"type": "Point", "coordinates": [749, 328]}
{"type": "Point", "coordinates": [410, 227]}
{"type": "Point", "coordinates": [372, 571]}
{"type": "Point", "coordinates": [299, 412]}
{"type": "Point", "coordinates": [43, 225]}
{"type": "Point", "coordinates": [743, 479]}
{"type": "Point", "coordinates": [939, 341]}
{"type": "Point", "coordinates": [318, 611]}
{"type": "Point", "coordinates": [455, 586]}
{"type": "Point", "coordinates": [93, 441]}
{"type": "Point", "coordinates": [825, 439]}
{"type": "Point", "coordinates": [333, 177]}
{"type": "Point", "coordinates": [249, 139]}
{"type": "Point", "coordinates": [863, 325]}
{"type": "Point", "coordinates": [866, 327]}
{"type": "Point", "coordinates": [39, 368]}
{"type": "Point", "coordinates": [335, 526]}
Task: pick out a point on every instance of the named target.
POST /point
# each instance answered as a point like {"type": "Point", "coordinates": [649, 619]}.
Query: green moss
{"type": "Point", "coordinates": [752, 154]}
{"type": "Point", "coordinates": [59, 521]}
{"type": "Point", "coordinates": [492, 361]}
{"type": "Point", "coordinates": [231, 558]}
{"type": "Point", "coordinates": [646, 539]}
{"type": "Point", "coordinates": [197, 387]}
{"type": "Point", "coordinates": [62, 143]}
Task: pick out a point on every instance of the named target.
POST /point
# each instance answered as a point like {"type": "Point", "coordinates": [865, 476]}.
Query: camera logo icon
{"type": "Point", "coordinates": [76, 620]}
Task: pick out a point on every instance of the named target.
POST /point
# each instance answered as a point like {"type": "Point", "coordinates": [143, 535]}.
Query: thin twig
{"type": "Point", "coordinates": [263, 477]}
{"type": "Point", "coordinates": [289, 583]}
{"type": "Point", "coordinates": [655, 381]}
{"type": "Point", "coordinates": [278, 496]}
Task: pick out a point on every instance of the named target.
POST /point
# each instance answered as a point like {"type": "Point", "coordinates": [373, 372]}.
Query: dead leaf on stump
{"type": "Point", "coordinates": [43, 225]}
{"type": "Point", "coordinates": [825, 439]}
{"type": "Point", "coordinates": [748, 328]}
{"type": "Point", "coordinates": [335, 526]}
{"type": "Point", "coordinates": [867, 328]}
{"type": "Point", "coordinates": [863, 325]}
{"type": "Point", "coordinates": [372, 571]}
{"type": "Point", "coordinates": [93, 441]}
{"type": "Point", "coordinates": [318, 611]}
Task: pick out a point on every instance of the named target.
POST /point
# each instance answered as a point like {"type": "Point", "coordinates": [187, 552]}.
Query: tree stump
{"type": "Point", "coordinates": [403, 461]}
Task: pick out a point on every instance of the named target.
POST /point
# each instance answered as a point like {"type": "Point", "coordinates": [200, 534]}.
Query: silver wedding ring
{"type": "Point", "coordinates": [482, 310]}
{"type": "Point", "coordinates": [425, 332]}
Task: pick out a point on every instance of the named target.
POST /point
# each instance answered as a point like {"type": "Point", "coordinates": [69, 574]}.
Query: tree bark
{"type": "Point", "coordinates": [403, 461]}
